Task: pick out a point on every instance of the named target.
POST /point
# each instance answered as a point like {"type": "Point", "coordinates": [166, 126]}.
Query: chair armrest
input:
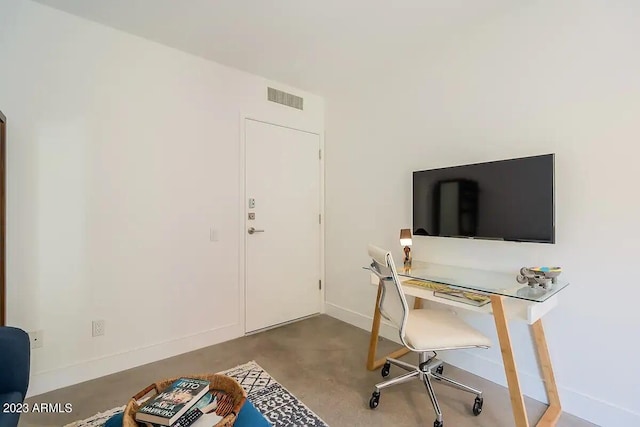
{"type": "Point", "coordinates": [15, 360]}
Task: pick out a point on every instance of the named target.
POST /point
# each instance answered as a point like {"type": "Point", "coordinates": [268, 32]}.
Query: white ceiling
{"type": "Point", "coordinates": [313, 45]}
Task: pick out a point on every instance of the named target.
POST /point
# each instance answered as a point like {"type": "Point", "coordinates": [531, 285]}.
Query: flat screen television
{"type": "Point", "coordinates": [510, 200]}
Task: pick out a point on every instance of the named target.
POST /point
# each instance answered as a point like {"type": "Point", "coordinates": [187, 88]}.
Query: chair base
{"type": "Point", "coordinates": [428, 368]}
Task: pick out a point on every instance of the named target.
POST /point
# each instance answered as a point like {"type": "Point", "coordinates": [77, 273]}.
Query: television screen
{"type": "Point", "coordinates": [502, 200]}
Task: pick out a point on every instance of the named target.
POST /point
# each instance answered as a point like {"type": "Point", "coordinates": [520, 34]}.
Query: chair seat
{"type": "Point", "coordinates": [429, 329]}
{"type": "Point", "coordinates": [9, 419]}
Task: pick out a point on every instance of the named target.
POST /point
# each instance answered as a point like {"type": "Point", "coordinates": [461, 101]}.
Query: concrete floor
{"type": "Point", "coordinates": [321, 361]}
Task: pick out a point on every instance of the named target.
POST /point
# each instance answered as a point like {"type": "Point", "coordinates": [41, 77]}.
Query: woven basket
{"type": "Point", "coordinates": [230, 394]}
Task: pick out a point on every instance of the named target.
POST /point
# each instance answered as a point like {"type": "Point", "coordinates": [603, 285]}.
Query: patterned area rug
{"type": "Point", "coordinates": [275, 402]}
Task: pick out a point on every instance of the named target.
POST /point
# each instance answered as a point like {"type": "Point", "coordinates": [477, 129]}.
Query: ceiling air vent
{"type": "Point", "coordinates": [284, 98]}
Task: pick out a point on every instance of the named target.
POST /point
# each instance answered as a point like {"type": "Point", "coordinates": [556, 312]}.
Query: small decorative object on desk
{"type": "Point", "coordinates": [407, 257]}
{"type": "Point", "coordinates": [541, 276]}
{"type": "Point", "coordinates": [217, 408]}
{"type": "Point", "coordinates": [405, 240]}
{"type": "Point", "coordinates": [539, 279]}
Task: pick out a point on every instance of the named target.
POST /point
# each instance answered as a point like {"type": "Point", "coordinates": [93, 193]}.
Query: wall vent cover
{"type": "Point", "coordinates": [284, 98]}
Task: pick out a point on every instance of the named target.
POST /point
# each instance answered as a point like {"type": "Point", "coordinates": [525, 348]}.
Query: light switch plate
{"type": "Point", "coordinates": [97, 328]}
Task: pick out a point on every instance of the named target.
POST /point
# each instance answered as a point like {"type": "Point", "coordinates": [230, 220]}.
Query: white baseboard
{"type": "Point", "coordinates": [574, 402]}
{"type": "Point", "coordinates": [360, 320]}
{"type": "Point", "coordinates": [42, 382]}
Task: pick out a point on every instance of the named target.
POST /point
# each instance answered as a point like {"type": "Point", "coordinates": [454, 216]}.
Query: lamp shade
{"type": "Point", "coordinates": [405, 237]}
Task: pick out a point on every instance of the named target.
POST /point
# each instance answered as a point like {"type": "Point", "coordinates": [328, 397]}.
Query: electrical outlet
{"type": "Point", "coordinates": [36, 338]}
{"type": "Point", "coordinates": [97, 328]}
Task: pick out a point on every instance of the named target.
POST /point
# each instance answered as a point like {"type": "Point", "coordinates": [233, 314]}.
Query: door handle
{"type": "Point", "coordinates": [253, 230]}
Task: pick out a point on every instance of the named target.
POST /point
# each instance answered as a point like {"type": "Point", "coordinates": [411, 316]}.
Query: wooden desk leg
{"type": "Point", "coordinates": [552, 414]}
{"type": "Point", "coordinates": [372, 363]}
{"type": "Point", "coordinates": [417, 303]}
{"type": "Point", "coordinates": [375, 330]}
{"type": "Point", "coordinates": [515, 393]}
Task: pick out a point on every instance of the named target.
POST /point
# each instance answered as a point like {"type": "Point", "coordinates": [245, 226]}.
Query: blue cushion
{"type": "Point", "coordinates": [249, 416]}
{"type": "Point", "coordinates": [115, 421]}
{"type": "Point", "coordinates": [9, 419]}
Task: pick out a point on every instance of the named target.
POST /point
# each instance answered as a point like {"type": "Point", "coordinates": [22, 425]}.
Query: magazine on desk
{"type": "Point", "coordinates": [167, 407]}
{"type": "Point", "coordinates": [476, 300]}
{"type": "Point", "coordinates": [443, 291]}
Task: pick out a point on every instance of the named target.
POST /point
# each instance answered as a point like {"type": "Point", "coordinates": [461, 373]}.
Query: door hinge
{"type": "Point", "coordinates": [320, 154]}
{"type": "Point", "coordinates": [320, 284]}
{"type": "Point", "coordinates": [319, 218]}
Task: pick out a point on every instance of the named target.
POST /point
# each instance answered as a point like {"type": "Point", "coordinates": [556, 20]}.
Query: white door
{"type": "Point", "coordinates": [282, 184]}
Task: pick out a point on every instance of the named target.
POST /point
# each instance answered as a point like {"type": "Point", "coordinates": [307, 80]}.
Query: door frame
{"type": "Point", "coordinates": [242, 264]}
{"type": "Point", "coordinates": [3, 258]}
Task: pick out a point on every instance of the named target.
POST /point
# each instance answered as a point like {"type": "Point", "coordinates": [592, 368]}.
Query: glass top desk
{"type": "Point", "coordinates": [509, 300]}
{"type": "Point", "coordinates": [482, 281]}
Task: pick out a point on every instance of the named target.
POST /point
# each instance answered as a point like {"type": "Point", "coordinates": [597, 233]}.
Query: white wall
{"type": "Point", "coordinates": [121, 155]}
{"type": "Point", "coordinates": [560, 77]}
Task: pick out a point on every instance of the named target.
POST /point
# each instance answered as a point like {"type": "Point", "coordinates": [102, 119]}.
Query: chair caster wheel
{"type": "Point", "coordinates": [385, 370]}
{"type": "Point", "coordinates": [477, 406]}
{"type": "Point", "coordinates": [375, 400]}
{"type": "Point", "coordinates": [440, 369]}
{"type": "Point", "coordinates": [437, 423]}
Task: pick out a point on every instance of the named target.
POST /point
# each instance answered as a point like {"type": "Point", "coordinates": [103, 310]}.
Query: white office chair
{"type": "Point", "coordinates": [423, 331]}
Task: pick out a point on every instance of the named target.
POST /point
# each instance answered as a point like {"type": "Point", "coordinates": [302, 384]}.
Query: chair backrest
{"type": "Point", "coordinates": [393, 304]}
{"type": "Point", "coordinates": [15, 359]}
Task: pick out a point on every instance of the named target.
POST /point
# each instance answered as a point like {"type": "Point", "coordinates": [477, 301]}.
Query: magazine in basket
{"type": "Point", "coordinates": [202, 414]}
{"type": "Point", "coordinates": [174, 401]}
